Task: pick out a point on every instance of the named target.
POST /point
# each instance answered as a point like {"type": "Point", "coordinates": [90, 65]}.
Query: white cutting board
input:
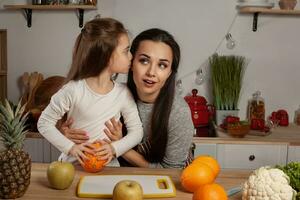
{"type": "Point", "coordinates": [101, 186]}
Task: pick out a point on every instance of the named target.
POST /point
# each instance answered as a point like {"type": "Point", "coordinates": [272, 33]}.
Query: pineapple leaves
{"type": "Point", "coordinates": [20, 109]}
{"type": "Point", "coordinates": [10, 112]}
{"type": "Point", "coordinates": [12, 124]}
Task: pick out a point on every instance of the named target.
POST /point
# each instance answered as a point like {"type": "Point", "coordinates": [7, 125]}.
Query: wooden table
{"type": "Point", "coordinates": [40, 189]}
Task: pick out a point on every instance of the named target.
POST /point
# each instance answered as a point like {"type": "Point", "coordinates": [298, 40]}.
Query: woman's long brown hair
{"type": "Point", "coordinates": [163, 103]}
{"type": "Point", "coordinates": [94, 47]}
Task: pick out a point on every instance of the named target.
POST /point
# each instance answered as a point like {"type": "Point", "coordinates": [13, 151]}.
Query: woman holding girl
{"type": "Point", "coordinates": [166, 118]}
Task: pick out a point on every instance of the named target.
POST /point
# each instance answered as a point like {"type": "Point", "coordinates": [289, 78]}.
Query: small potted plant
{"type": "Point", "coordinates": [227, 75]}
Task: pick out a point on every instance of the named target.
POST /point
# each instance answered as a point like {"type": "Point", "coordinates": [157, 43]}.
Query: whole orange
{"type": "Point", "coordinates": [94, 164]}
{"type": "Point", "coordinates": [210, 161]}
{"type": "Point", "coordinates": [196, 175]}
{"type": "Point", "coordinates": [211, 191]}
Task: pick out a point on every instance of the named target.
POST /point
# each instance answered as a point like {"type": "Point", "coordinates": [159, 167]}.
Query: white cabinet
{"type": "Point", "coordinates": [250, 156]}
{"type": "Point", "coordinates": [34, 147]}
{"type": "Point", "coordinates": [50, 152]}
{"type": "Point", "coordinates": [206, 149]}
{"type": "Point", "coordinates": [294, 153]}
{"type": "Point", "coordinates": [40, 150]}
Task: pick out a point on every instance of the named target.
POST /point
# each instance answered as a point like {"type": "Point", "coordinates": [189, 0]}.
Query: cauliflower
{"type": "Point", "coordinates": [268, 183]}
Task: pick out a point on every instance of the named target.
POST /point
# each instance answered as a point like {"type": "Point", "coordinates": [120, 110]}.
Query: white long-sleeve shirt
{"type": "Point", "coordinates": [90, 111]}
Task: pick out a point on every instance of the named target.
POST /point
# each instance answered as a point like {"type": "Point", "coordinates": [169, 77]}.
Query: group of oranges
{"type": "Point", "coordinates": [199, 178]}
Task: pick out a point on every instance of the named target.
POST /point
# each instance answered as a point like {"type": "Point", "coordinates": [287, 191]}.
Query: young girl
{"type": "Point", "coordinates": [91, 98]}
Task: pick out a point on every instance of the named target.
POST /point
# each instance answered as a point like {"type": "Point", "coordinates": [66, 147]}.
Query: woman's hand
{"type": "Point", "coordinates": [106, 151]}
{"type": "Point", "coordinates": [113, 129]}
{"type": "Point", "coordinates": [78, 136]}
{"type": "Point", "coordinates": [78, 150]}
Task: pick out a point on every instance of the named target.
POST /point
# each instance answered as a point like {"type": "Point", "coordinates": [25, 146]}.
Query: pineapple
{"type": "Point", "coordinates": [15, 164]}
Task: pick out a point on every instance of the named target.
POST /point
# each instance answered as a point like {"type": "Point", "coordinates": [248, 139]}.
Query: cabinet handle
{"type": "Point", "coordinates": [252, 157]}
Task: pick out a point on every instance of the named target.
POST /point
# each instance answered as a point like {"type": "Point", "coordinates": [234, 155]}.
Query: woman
{"type": "Point", "coordinates": [166, 118]}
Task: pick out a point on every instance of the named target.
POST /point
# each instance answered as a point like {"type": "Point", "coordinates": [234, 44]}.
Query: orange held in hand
{"type": "Point", "coordinates": [94, 164]}
{"type": "Point", "coordinates": [211, 191]}
{"type": "Point", "coordinates": [210, 161]}
{"type": "Point", "coordinates": [196, 175]}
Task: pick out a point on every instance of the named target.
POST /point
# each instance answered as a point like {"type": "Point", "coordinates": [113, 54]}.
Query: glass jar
{"type": "Point", "coordinates": [73, 1]}
{"type": "Point", "coordinates": [256, 112]}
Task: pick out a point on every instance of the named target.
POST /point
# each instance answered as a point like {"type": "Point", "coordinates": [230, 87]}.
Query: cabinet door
{"type": "Point", "coordinates": [235, 156]}
{"type": "Point", "coordinates": [50, 152]}
{"type": "Point", "coordinates": [54, 153]}
{"type": "Point", "coordinates": [46, 151]}
{"type": "Point", "coordinates": [41, 150]}
{"type": "Point", "coordinates": [207, 149]}
{"type": "Point", "coordinates": [35, 148]}
{"type": "Point", "coordinates": [294, 153]}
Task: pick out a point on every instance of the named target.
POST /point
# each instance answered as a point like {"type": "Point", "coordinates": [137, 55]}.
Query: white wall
{"type": "Point", "coordinates": [199, 26]}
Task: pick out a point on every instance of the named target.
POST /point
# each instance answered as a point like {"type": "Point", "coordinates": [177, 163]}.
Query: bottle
{"type": "Point", "coordinates": [73, 1]}
{"type": "Point", "coordinates": [44, 2]}
{"type": "Point", "coordinates": [36, 2]}
{"type": "Point", "coordinates": [297, 116]}
{"type": "Point", "coordinates": [256, 112]}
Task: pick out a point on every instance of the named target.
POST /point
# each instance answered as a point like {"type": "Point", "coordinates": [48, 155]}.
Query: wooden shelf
{"type": "Point", "coordinates": [269, 11]}
{"type": "Point", "coordinates": [28, 10]}
{"type": "Point", "coordinates": [51, 7]}
{"type": "Point", "coordinates": [255, 11]}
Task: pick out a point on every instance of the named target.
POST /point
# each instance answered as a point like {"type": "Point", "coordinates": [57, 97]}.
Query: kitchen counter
{"type": "Point", "coordinates": [40, 189]}
{"type": "Point", "coordinates": [280, 135]}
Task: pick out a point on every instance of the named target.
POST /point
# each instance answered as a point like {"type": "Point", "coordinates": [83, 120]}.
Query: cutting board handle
{"type": "Point", "coordinates": [162, 184]}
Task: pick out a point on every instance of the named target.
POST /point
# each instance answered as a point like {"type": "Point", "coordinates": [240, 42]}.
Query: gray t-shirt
{"type": "Point", "coordinates": [180, 135]}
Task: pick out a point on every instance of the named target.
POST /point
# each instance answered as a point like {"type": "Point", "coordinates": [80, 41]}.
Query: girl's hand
{"type": "Point", "coordinates": [114, 129]}
{"type": "Point", "coordinates": [106, 151]}
{"type": "Point", "coordinates": [76, 135]}
{"type": "Point", "coordinates": [78, 150]}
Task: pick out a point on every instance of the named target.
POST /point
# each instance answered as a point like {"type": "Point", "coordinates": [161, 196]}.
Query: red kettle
{"type": "Point", "coordinates": [200, 110]}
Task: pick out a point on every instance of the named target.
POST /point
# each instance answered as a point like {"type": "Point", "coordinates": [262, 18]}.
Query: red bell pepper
{"type": "Point", "coordinates": [257, 124]}
{"type": "Point", "coordinates": [231, 120]}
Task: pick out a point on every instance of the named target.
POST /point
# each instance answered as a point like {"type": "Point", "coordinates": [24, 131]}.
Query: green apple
{"type": "Point", "coordinates": [128, 189]}
{"type": "Point", "coordinates": [60, 174]}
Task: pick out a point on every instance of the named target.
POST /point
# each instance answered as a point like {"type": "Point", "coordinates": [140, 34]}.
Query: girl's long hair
{"type": "Point", "coordinates": [94, 47]}
{"type": "Point", "coordinates": [163, 103]}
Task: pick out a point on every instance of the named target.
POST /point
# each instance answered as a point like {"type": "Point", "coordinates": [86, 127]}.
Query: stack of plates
{"type": "Point", "coordinates": [256, 3]}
